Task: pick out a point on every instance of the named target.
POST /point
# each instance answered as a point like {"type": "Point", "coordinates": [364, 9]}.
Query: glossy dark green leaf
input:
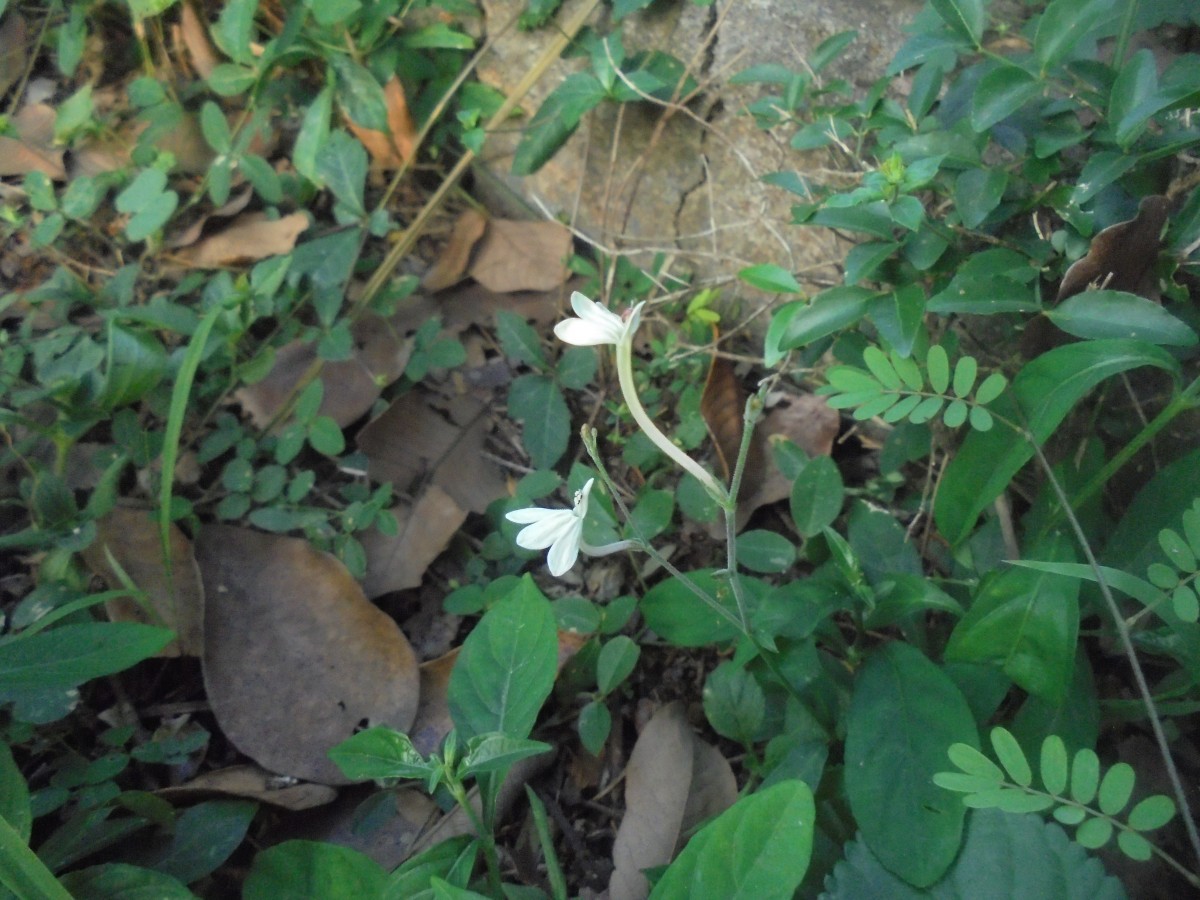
{"type": "Point", "coordinates": [1062, 25]}
{"type": "Point", "coordinates": [771, 278]}
{"type": "Point", "coordinates": [69, 655]}
{"type": "Point", "coordinates": [863, 259]}
{"type": "Point", "coordinates": [498, 753]}
{"type": "Point", "coordinates": [1136, 82]}
{"type": "Point", "coordinates": [1042, 394]}
{"type": "Point", "coordinates": [903, 715]}
{"type": "Point", "coordinates": [817, 495]}
{"type": "Point", "coordinates": [616, 661]}
{"type": "Point", "coordinates": [506, 666]}
{"type": "Point", "coordinates": [136, 363]}
{"type": "Point", "coordinates": [899, 316]}
{"type": "Point", "coordinates": [1026, 622]}
{"type": "Point", "coordinates": [359, 94]}
{"type": "Point", "coordinates": [977, 192]}
{"type": "Point", "coordinates": [1097, 315]}
{"type": "Point", "coordinates": [312, 869]}
{"type": "Point", "coordinates": [734, 703]}
{"type": "Point", "coordinates": [111, 880]}
{"type": "Point", "coordinates": [379, 752]}
{"type": "Point", "coordinates": [758, 849]}
{"type": "Point", "coordinates": [556, 120]}
{"type": "Point", "coordinates": [827, 312]}
{"type": "Point", "coordinates": [537, 402]}
{"type": "Point", "coordinates": [966, 18]}
{"type": "Point", "coordinates": [205, 835]}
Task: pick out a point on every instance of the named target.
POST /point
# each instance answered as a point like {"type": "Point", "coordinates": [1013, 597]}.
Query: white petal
{"type": "Point", "coordinates": [565, 551]}
{"type": "Point", "coordinates": [581, 507]}
{"type": "Point", "coordinates": [545, 532]}
{"type": "Point", "coordinates": [583, 333]}
{"type": "Point", "coordinates": [529, 515]}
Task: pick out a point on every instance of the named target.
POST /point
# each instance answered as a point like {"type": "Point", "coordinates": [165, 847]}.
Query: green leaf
{"type": "Point", "coordinates": [903, 714]}
{"type": "Point", "coordinates": [1010, 855]}
{"type": "Point", "coordinates": [312, 869]}
{"type": "Point", "coordinates": [1053, 766]}
{"type": "Point", "coordinates": [966, 18]}
{"type": "Point", "coordinates": [977, 192]}
{"type": "Point", "coordinates": [770, 278]}
{"type": "Point", "coordinates": [817, 495]}
{"type": "Point", "coordinates": [14, 795]}
{"type": "Point", "coordinates": [556, 120]}
{"type": "Point", "coordinates": [111, 880]}
{"type": "Point", "coordinates": [1097, 315]}
{"type": "Point", "coordinates": [73, 115]}
{"type": "Point", "coordinates": [137, 362]}
{"type": "Point", "coordinates": [228, 80]}
{"type": "Point", "coordinates": [325, 436]}
{"type": "Point", "coordinates": [965, 371]}
{"type": "Point", "coordinates": [595, 724]}
{"type": "Point", "coordinates": [359, 94]}
{"type": "Point", "coordinates": [758, 849]}
{"type": "Point", "coordinates": [972, 761]}
{"type": "Point", "coordinates": [520, 342]}
{"type": "Point", "coordinates": [1153, 812]}
{"type": "Point", "coordinates": [1136, 82]}
{"type": "Point", "coordinates": [1042, 394]}
{"type": "Point", "coordinates": [576, 368]}
{"type": "Point", "coordinates": [379, 752]}
{"type": "Point", "coordinates": [1134, 846]}
{"type": "Point", "coordinates": [1027, 623]}
{"type": "Point", "coordinates": [937, 364]}
{"type": "Point", "coordinates": [1094, 833]}
{"type": "Point", "coordinates": [498, 752]}
{"type": "Point", "coordinates": [341, 165]}
{"type": "Point", "coordinates": [652, 514]}
{"type": "Point", "coordinates": [65, 657]}
{"type": "Point", "coordinates": [537, 402]}
{"type": "Point", "coordinates": [827, 312]}
{"type": "Point", "coordinates": [1085, 776]}
{"type": "Point", "coordinates": [205, 835]}
{"type": "Point", "coordinates": [734, 703]}
{"type": "Point", "coordinates": [899, 316]}
{"type": "Point", "coordinates": [1101, 170]}
{"type": "Point", "coordinates": [616, 661]}
{"type": "Point", "coordinates": [506, 666]}
{"type": "Point", "coordinates": [681, 618]}
{"type": "Point", "coordinates": [438, 36]}
{"type": "Point", "coordinates": [1063, 24]}
{"type": "Point", "coordinates": [215, 127]}
{"type": "Point", "coordinates": [1116, 788]}
{"type": "Point", "coordinates": [1011, 756]}
{"type": "Point", "coordinates": [314, 132]}
{"type": "Point", "coordinates": [863, 259]}
{"type": "Point", "coordinates": [765, 551]}
{"type": "Point", "coordinates": [234, 30]}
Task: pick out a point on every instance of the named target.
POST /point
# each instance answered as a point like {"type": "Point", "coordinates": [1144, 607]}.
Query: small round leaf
{"type": "Point", "coordinates": [1011, 756]}
{"type": "Point", "coordinates": [965, 371]}
{"type": "Point", "coordinates": [595, 722]}
{"type": "Point", "coordinates": [1085, 776]}
{"type": "Point", "coordinates": [1094, 833]}
{"type": "Point", "coordinates": [938, 366]}
{"type": "Point", "coordinates": [955, 415]}
{"type": "Point", "coordinates": [616, 660]}
{"type": "Point", "coordinates": [1054, 765]}
{"type": "Point", "coordinates": [992, 387]}
{"type": "Point", "coordinates": [1134, 846]}
{"type": "Point", "coordinates": [1153, 812]}
{"type": "Point", "coordinates": [1116, 788]}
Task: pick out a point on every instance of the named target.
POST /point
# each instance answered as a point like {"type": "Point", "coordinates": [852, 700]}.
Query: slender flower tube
{"type": "Point", "coordinates": [562, 531]}
{"type": "Point", "coordinates": [597, 325]}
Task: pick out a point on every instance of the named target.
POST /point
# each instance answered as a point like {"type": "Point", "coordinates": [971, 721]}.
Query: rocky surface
{"type": "Point", "coordinates": [643, 178]}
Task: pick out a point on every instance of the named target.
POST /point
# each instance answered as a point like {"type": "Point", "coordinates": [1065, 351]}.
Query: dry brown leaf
{"type": "Point", "coordinates": [713, 789]}
{"type": "Point", "coordinates": [194, 35]}
{"type": "Point", "coordinates": [131, 537]}
{"type": "Point", "coordinates": [722, 405]}
{"type": "Point", "coordinates": [14, 49]}
{"type": "Point", "coordinates": [451, 265]}
{"type": "Point", "coordinates": [807, 421]}
{"type": "Point", "coordinates": [1122, 256]}
{"type": "Point", "coordinates": [251, 237]}
{"type": "Point", "coordinates": [657, 783]}
{"type": "Point", "coordinates": [522, 256]}
{"type": "Point", "coordinates": [433, 720]}
{"type": "Point", "coordinates": [350, 389]}
{"type": "Point", "coordinates": [410, 441]}
{"type": "Point", "coordinates": [253, 783]}
{"type": "Point", "coordinates": [295, 656]}
{"type": "Point", "coordinates": [231, 207]}
{"type": "Point", "coordinates": [32, 150]}
{"type": "Point", "coordinates": [398, 562]}
{"type": "Point", "coordinates": [393, 149]}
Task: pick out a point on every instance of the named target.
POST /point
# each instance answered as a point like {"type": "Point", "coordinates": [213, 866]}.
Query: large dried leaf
{"type": "Point", "coordinates": [230, 208]}
{"type": "Point", "coordinates": [32, 150]}
{"type": "Point", "coordinates": [393, 149]}
{"type": "Point", "coordinates": [253, 783]}
{"type": "Point", "coordinates": [252, 237]}
{"type": "Point", "coordinates": [522, 256]}
{"type": "Point", "coordinates": [1122, 256]}
{"type": "Point", "coordinates": [295, 657]}
{"type": "Point", "coordinates": [410, 442]}
{"type": "Point", "coordinates": [451, 265]}
{"type": "Point", "coordinates": [397, 562]}
{"type": "Point", "coordinates": [350, 388]}
{"type": "Point", "coordinates": [131, 537]}
{"type": "Point", "coordinates": [657, 783]}
{"type": "Point", "coordinates": [723, 406]}
{"type": "Point", "coordinates": [194, 35]}
{"type": "Point", "coordinates": [433, 720]}
{"type": "Point", "coordinates": [713, 789]}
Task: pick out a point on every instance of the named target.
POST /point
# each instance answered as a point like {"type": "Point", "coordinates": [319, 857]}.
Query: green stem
{"type": "Point", "coordinates": [1187, 399]}
{"type": "Point", "coordinates": [486, 840]}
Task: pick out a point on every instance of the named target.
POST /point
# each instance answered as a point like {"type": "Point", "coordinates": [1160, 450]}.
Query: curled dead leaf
{"type": "Point", "coordinates": [251, 237]}
{"type": "Point", "coordinates": [130, 537]}
{"type": "Point", "coordinates": [433, 720]}
{"type": "Point", "coordinates": [14, 49]}
{"type": "Point", "coordinates": [451, 265]}
{"type": "Point", "coordinates": [295, 656]}
{"type": "Point", "coordinates": [722, 405]}
{"type": "Point", "coordinates": [1122, 256]}
{"type": "Point", "coordinates": [522, 256]}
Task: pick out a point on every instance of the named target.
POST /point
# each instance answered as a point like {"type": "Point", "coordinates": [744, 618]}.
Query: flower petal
{"type": "Point", "coordinates": [529, 514]}
{"type": "Point", "coordinates": [542, 534]}
{"type": "Point", "coordinates": [583, 333]}
{"type": "Point", "coordinates": [565, 550]}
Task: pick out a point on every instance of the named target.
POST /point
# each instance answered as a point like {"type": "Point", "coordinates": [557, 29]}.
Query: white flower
{"type": "Point", "coordinates": [597, 325]}
{"type": "Point", "coordinates": [559, 529]}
